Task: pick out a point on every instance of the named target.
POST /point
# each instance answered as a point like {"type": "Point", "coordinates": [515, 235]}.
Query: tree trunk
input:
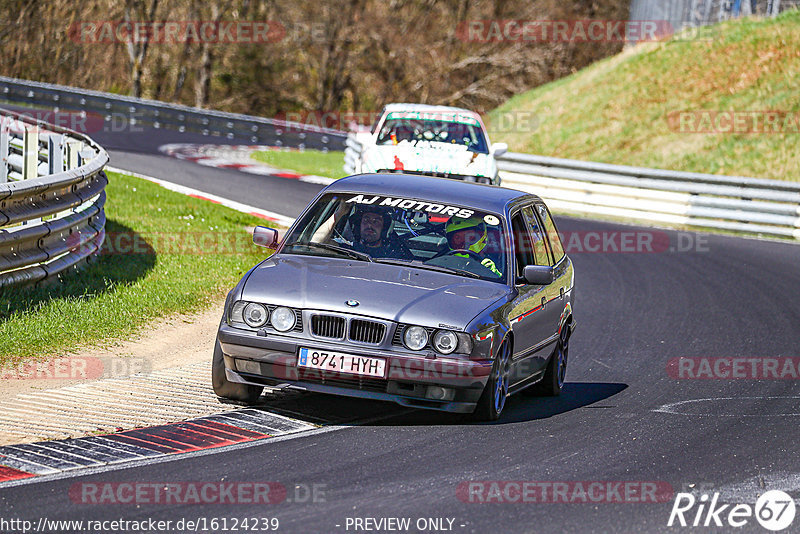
{"type": "Point", "coordinates": [135, 11]}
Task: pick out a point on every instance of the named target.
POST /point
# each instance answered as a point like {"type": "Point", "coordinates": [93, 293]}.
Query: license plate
{"type": "Point", "coordinates": [340, 362]}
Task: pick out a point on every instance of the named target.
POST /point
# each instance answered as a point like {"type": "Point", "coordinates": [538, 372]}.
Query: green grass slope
{"type": "Point", "coordinates": [307, 161]}
{"type": "Point", "coordinates": [165, 253]}
{"type": "Point", "coordinates": [618, 110]}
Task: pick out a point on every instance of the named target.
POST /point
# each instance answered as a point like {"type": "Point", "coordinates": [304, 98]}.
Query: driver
{"type": "Point", "coordinates": [371, 230]}
{"type": "Point", "coordinates": [470, 235]}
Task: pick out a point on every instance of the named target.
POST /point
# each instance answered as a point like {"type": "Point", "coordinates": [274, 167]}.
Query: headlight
{"type": "Point", "coordinates": [255, 315]}
{"type": "Point", "coordinates": [283, 319]}
{"type": "Point", "coordinates": [445, 341]}
{"type": "Point", "coordinates": [415, 337]}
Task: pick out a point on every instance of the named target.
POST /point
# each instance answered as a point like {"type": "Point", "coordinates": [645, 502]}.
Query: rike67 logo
{"type": "Point", "coordinates": [774, 510]}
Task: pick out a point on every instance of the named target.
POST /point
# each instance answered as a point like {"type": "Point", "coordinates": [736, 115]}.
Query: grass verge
{"type": "Point", "coordinates": [622, 109]}
{"type": "Point", "coordinates": [165, 253]}
{"type": "Point", "coordinates": [306, 161]}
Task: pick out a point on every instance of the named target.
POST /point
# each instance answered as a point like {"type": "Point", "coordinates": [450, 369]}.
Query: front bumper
{"type": "Point", "coordinates": [271, 360]}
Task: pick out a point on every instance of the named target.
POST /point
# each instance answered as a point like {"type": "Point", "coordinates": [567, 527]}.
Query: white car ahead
{"type": "Point", "coordinates": [432, 140]}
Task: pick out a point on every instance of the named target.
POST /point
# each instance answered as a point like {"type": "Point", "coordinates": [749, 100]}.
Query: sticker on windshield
{"type": "Point", "coordinates": [409, 204]}
{"type": "Point", "coordinates": [491, 220]}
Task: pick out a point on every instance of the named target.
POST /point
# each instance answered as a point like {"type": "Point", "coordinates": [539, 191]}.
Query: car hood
{"type": "Point", "coordinates": [390, 292]}
{"type": "Point", "coordinates": [426, 157]}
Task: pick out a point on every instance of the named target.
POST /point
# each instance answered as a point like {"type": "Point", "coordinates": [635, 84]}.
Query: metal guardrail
{"type": "Point", "coordinates": [152, 113]}
{"type": "Point", "coordinates": [52, 193]}
{"type": "Point", "coordinates": [352, 155]}
{"type": "Point", "coordinates": [683, 14]}
{"type": "Point", "coordinates": [734, 203]}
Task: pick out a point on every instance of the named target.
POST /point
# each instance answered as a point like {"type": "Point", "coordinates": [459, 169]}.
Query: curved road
{"type": "Point", "coordinates": [621, 417]}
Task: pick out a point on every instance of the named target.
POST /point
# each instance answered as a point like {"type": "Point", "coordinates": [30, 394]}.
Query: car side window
{"type": "Point", "coordinates": [552, 232]}
{"type": "Point", "coordinates": [540, 251]}
{"type": "Point", "coordinates": [523, 248]}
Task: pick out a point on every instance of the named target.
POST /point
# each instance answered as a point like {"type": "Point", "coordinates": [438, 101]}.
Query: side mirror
{"type": "Point", "coordinates": [538, 275]}
{"type": "Point", "coordinates": [498, 149]}
{"type": "Point", "coordinates": [266, 237]}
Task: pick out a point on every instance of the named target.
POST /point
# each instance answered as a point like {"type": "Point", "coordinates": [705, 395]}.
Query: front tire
{"type": "Point", "coordinates": [225, 388]}
{"type": "Point", "coordinates": [494, 396]}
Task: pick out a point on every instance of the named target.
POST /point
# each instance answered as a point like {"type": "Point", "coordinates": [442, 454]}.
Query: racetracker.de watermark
{"type": "Point", "coordinates": [569, 492]}
{"type": "Point", "coordinates": [74, 368]}
{"type": "Point", "coordinates": [734, 122]}
{"type": "Point", "coordinates": [175, 31]}
{"type": "Point", "coordinates": [734, 368]}
{"type": "Point", "coordinates": [449, 371]}
{"type": "Point", "coordinates": [510, 121]}
{"type": "Point", "coordinates": [563, 31]}
{"type": "Point", "coordinates": [138, 493]}
{"type": "Point", "coordinates": [622, 242]}
{"type": "Point", "coordinates": [182, 243]}
{"type": "Point", "coordinates": [177, 493]}
{"type": "Point", "coordinates": [223, 243]}
{"type": "Point", "coordinates": [79, 121]}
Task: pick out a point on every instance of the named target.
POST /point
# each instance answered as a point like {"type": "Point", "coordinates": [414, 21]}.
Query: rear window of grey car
{"type": "Point", "coordinates": [423, 233]}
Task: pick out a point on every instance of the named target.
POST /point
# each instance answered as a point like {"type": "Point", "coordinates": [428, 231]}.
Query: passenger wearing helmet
{"type": "Point", "coordinates": [371, 226]}
{"type": "Point", "coordinates": [470, 235]}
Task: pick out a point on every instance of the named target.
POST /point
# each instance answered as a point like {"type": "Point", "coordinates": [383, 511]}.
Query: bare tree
{"type": "Point", "coordinates": [335, 55]}
{"type": "Point", "coordinates": [203, 87]}
{"type": "Point", "coordinates": [136, 11]}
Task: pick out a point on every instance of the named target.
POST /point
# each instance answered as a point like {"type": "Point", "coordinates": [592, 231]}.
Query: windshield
{"type": "Point", "coordinates": [425, 234]}
{"type": "Point", "coordinates": [416, 128]}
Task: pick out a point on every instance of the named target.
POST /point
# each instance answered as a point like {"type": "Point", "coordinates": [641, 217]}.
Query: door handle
{"type": "Point", "coordinates": [544, 302]}
{"type": "Point", "coordinates": [561, 293]}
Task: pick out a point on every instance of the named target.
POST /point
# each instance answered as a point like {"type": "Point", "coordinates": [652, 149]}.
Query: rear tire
{"type": "Point", "coordinates": [554, 376]}
{"type": "Point", "coordinates": [225, 388]}
{"type": "Point", "coordinates": [494, 396]}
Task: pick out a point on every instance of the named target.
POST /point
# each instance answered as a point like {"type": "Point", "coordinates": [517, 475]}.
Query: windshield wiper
{"type": "Point", "coordinates": [341, 250]}
{"type": "Point", "coordinates": [420, 265]}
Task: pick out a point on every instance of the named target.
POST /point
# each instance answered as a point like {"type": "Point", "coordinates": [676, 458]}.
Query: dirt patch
{"type": "Point", "coordinates": [165, 343]}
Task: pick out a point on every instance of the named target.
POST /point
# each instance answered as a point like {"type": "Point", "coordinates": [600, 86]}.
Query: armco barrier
{"type": "Point", "coordinates": [735, 203]}
{"type": "Point", "coordinates": [741, 204]}
{"type": "Point", "coordinates": [52, 193]}
{"type": "Point", "coordinates": [139, 112]}
{"type": "Point", "coordinates": [352, 155]}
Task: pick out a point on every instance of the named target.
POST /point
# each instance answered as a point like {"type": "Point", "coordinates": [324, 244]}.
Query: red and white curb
{"type": "Point", "coordinates": [109, 405]}
{"type": "Point", "coordinates": [237, 157]}
{"type": "Point", "coordinates": [22, 462]}
{"type": "Point", "coordinates": [196, 193]}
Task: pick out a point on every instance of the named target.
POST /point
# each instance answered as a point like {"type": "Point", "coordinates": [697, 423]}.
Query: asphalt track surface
{"type": "Point", "coordinates": [726, 297]}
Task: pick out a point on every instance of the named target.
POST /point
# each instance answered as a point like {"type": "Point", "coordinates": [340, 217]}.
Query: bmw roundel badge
{"type": "Point", "coordinates": [352, 303]}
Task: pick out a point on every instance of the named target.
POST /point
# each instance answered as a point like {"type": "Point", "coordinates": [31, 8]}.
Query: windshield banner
{"type": "Point", "coordinates": [410, 204]}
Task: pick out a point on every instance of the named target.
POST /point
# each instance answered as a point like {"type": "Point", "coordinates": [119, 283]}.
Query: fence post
{"type": "Point", "coordinates": [73, 149]}
{"type": "Point", "coordinates": [30, 153]}
{"type": "Point", "coordinates": [55, 153]}
{"type": "Point", "coordinates": [85, 155]}
{"type": "Point", "coordinates": [3, 150]}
